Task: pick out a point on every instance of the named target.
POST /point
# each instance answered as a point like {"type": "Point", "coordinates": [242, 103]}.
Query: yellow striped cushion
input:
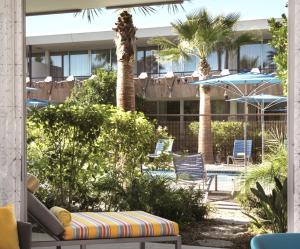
{"type": "Point", "coordinates": [118, 225]}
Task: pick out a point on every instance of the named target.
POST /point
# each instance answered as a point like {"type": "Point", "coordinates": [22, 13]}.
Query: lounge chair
{"type": "Point", "coordinates": [190, 170]}
{"type": "Point", "coordinates": [24, 235]}
{"type": "Point", "coordinates": [162, 146]}
{"type": "Point", "coordinates": [102, 228]}
{"type": "Point", "coordinates": [238, 154]}
{"type": "Point", "coordinates": [276, 241]}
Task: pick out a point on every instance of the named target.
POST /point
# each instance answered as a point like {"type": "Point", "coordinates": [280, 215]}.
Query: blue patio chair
{"type": "Point", "coordinates": [239, 151]}
{"type": "Point", "coordinates": [162, 146]}
{"type": "Point", "coordinates": [276, 241]}
{"type": "Point", "coordinates": [190, 169]}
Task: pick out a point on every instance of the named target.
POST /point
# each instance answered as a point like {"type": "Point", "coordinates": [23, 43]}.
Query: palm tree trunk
{"type": "Point", "coordinates": [205, 143]}
{"type": "Point", "coordinates": [125, 43]}
{"type": "Point", "coordinates": [125, 86]}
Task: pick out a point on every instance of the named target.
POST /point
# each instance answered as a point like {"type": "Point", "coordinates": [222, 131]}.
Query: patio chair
{"type": "Point", "coordinates": [190, 170]}
{"type": "Point", "coordinates": [102, 228]}
{"type": "Point", "coordinates": [24, 235]}
{"type": "Point", "coordinates": [239, 151]}
{"type": "Point", "coordinates": [276, 241]}
{"type": "Point", "coordinates": [162, 146]}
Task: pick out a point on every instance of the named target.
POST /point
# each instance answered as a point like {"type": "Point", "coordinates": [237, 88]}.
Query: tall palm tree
{"type": "Point", "coordinates": [199, 35]}
{"type": "Point", "coordinates": [125, 50]}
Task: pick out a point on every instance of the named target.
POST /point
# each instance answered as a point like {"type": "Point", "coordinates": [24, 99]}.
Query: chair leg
{"type": "Point", "coordinates": [58, 247]}
{"type": "Point", "coordinates": [143, 245]}
{"type": "Point", "coordinates": [178, 242]}
{"type": "Point", "coordinates": [82, 246]}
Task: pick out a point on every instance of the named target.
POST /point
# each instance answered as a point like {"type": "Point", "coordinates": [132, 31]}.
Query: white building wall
{"type": "Point", "coordinates": [294, 117]}
{"type": "Point", "coordinates": [11, 104]}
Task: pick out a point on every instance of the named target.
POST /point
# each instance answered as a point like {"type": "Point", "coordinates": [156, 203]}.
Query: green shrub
{"type": "Point", "coordinates": [224, 134]}
{"type": "Point", "coordinates": [100, 90]}
{"type": "Point", "coordinates": [268, 211]}
{"type": "Point", "coordinates": [155, 195]}
{"type": "Point", "coordinates": [71, 146]}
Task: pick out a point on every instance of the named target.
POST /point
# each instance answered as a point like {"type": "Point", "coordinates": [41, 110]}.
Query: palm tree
{"type": "Point", "coordinates": [199, 35]}
{"type": "Point", "coordinates": [125, 50]}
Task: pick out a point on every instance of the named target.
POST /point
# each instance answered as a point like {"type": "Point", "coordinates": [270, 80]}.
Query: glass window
{"type": "Point", "coordinates": [101, 59]}
{"type": "Point", "coordinates": [191, 107]}
{"type": "Point", "coordinates": [79, 64]}
{"type": "Point", "coordinates": [268, 55]}
{"type": "Point", "coordinates": [191, 64]}
{"type": "Point", "coordinates": [147, 61]}
{"type": "Point", "coordinates": [114, 63]}
{"type": "Point", "coordinates": [250, 56]}
{"type": "Point", "coordinates": [38, 57]}
{"type": "Point", "coordinates": [150, 107]}
{"type": "Point", "coordinates": [57, 65]}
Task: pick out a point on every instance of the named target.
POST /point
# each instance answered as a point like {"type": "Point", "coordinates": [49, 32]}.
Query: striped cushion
{"type": "Point", "coordinates": [118, 225]}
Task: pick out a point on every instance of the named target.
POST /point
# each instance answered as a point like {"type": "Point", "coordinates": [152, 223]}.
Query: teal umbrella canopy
{"type": "Point", "coordinates": [261, 99]}
{"type": "Point", "coordinates": [240, 79]}
{"type": "Point", "coordinates": [37, 103]}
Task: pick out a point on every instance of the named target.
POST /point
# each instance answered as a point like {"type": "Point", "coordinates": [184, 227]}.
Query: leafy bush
{"type": "Point", "coordinates": [155, 195]}
{"type": "Point", "coordinates": [224, 134]}
{"type": "Point", "coordinates": [100, 90]}
{"type": "Point", "coordinates": [269, 211]}
{"type": "Point", "coordinates": [70, 147]}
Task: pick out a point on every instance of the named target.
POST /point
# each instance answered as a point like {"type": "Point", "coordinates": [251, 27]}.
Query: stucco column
{"type": "Point", "coordinates": [12, 68]}
{"type": "Point", "coordinates": [294, 117]}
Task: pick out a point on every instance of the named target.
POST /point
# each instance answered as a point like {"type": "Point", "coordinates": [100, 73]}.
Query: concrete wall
{"type": "Point", "coordinates": [11, 104]}
{"type": "Point", "coordinates": [294, 117]}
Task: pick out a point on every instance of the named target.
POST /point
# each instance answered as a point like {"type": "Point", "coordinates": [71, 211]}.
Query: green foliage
{"type": "Point", "coordinates": [269, 211]}
{"type": "Point", "coordinates": [70, 147]}
{"type": "Point", "coordinates": [88, 158]}
{"type": "Point", "coordinates": [200, 34]}
{"type": "Point", "coordinates": [274, 165]}
{"type": "Point", "coordinates": [224, 134]}
{"type": "Point", "coordinates": [100, 90]}
{"type": "Point", "coordinates": [155, 195]}
{"type": "Point", "coordinates": [279, 42]}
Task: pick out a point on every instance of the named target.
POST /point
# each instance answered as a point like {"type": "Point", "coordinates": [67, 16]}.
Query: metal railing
{"type": "Point", "coordinates": [186, 139]}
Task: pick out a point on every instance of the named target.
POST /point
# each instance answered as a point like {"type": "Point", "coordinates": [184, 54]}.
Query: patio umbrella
{"type": "Point", "coordinates": [261, 102]}
{"type": "Point", "coordinates": [232, 83]}
{"type": "Point", "coordinates": [37, 103]}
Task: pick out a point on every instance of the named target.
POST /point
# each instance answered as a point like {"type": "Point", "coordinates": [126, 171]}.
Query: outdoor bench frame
{"type": "Point", "coordinates": [84, 243]}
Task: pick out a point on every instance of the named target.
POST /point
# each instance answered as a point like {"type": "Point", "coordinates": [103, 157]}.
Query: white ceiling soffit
{"type": "Point", "coordinates": [36, 7]}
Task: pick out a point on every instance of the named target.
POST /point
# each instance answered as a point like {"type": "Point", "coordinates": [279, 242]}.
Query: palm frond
{"type": "Point", "coordinates": [145, 10]}
{"type": "Point", "coordinates": [169, 50]}
{"type": "Point", "coordinates": [89, 14]}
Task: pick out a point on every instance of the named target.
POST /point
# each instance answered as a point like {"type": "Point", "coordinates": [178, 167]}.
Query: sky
{"type": "Point", "coordinates": [67, 23]}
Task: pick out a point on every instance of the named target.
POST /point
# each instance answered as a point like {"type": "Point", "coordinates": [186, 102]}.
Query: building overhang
{"type": "Point", "coordinates": [38, 7]}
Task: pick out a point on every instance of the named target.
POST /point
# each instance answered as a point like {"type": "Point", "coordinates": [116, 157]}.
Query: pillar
{"type": "Point", "coordinates": [294, 117]}
{"type": "Point", "coordinates": [48, 63]}
{"type": "Point", "coordinates": [12, 92]}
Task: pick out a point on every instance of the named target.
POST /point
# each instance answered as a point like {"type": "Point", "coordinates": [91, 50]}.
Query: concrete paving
{"type": "Point", "coordinates": [118, 246]}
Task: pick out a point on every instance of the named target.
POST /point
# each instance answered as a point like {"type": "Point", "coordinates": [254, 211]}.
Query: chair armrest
{"type": "Point", "coordinates": [24, 233]}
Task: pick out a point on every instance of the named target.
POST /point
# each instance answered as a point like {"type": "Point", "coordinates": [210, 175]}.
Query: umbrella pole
{"type": "Point", "coordinates": [245, 135]}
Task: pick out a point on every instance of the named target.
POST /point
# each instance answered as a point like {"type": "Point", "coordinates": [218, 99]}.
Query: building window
{"type": "Point", "coordinates": [147, 61]}
{"type": "Point", "coordinates": [256, 55]}
{"type": "Point", "coordinates": [169, 107]}
{"type": "Point", "coordinates": [191, 107]}
{"type": "Point", "coordinates": [101, 59]}
{"type": "Point", "coordinates": [59, 65]}
{"type": "Point", "coordinates": [150, 107]}
{"type": "Point", "coordinates": [79, 64]}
